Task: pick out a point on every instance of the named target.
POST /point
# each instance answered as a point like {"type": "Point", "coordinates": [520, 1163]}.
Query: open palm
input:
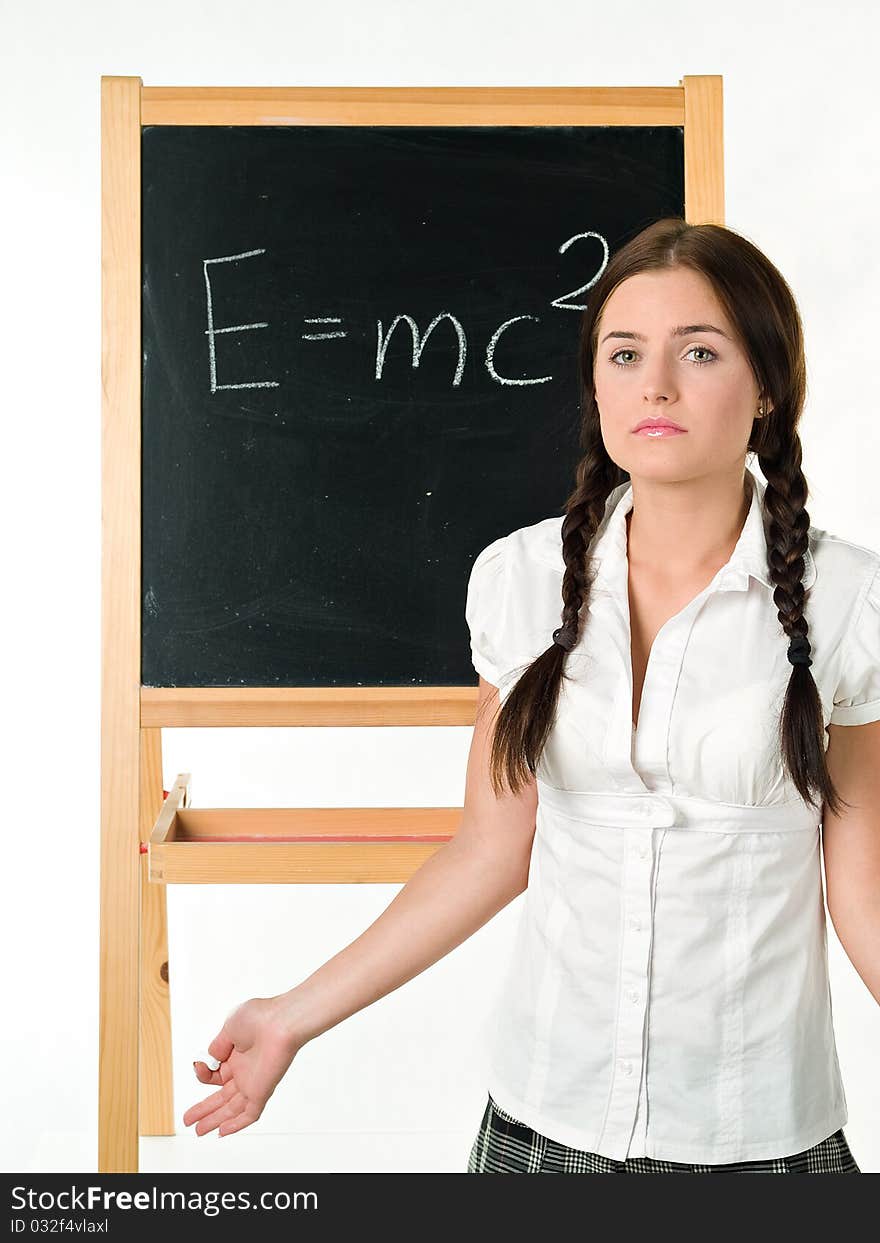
{"type": "Point", "coordinates": [254, 1052]}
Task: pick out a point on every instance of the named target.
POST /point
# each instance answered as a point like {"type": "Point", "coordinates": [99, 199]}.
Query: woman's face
{"type": "Point", "coordinates": [699, 379]}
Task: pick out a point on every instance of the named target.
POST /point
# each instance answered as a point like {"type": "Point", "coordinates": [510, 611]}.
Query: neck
{"type": "Point", "coordinates": [686, 528]}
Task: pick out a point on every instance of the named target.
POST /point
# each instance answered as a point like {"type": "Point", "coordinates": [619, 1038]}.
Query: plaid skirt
{"type": "Point", "coordinates": [506, 1146]}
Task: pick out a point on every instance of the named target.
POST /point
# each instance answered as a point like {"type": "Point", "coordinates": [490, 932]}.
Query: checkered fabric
{"type": "Point", "coordinates": [506, 1146]}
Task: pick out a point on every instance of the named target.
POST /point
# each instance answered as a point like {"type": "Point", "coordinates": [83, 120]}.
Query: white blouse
{"type": "Point", "coordinates": [667, 994]}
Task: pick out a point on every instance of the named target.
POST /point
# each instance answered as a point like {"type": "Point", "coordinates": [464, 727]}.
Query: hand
{"type": "Point", "coordinates": [255, 1050]}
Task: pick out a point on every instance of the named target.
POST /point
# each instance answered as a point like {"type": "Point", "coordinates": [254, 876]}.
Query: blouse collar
{"type": "Point", "coordinates": [749, 556]}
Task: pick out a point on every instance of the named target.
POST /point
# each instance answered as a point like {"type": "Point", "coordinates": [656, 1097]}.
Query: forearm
{"type": "Point", "coordinates": [455, 892]}
{"type": "Point", "coordinates": [858, 930]}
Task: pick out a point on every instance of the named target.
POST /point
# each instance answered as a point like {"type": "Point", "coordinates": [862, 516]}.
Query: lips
{"type": "Point", "coordinates": [652, 423]}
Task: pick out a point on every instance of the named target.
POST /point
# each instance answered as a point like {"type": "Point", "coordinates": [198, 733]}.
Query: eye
{"type": "Point", "coordinates": [703, 349]}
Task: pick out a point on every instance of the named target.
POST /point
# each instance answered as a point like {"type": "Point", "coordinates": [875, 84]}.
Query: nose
{"type": "Point", "coordinates": [657, 381]}
{"type": "Point", "coordinates": [658, 387]}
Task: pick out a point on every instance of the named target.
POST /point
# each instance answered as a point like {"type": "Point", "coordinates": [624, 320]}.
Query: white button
{"type": "Point", "coordinates": [626, 1067]}
{"type": "Point", "coordinates": [633, 995]}
{"type": "Point", "coordinates": [635, 923]}
{"type": "Point", "coordinates": [643, 852]}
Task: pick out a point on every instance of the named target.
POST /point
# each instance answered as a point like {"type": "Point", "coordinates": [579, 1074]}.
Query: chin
{"type": "Point", "coordinates": [665, 465]}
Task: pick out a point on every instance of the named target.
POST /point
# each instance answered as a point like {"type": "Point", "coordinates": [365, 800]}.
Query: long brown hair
{"type": "Point", "coordinates": [762, 308]}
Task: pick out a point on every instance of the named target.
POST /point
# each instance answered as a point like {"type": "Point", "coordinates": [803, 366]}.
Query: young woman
{"type": "Point", "coordinates": [679, 679]}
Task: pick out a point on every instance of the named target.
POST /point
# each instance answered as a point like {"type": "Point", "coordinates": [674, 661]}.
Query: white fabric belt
{"type": "Point", "coordinates": [621, 809]}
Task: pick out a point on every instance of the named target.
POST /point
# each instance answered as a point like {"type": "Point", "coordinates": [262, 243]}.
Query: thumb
{"type": "Point", "coordinates": [206, 1070]}
{"type": "Point", "coordinates": [222, 1045]}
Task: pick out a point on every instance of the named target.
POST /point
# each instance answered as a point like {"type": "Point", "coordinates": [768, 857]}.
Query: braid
{"type": "Point", "coordinates": [801, 725]}
{"type": "Point", "coordinates": [530, 709]}
{"type": "Point", "coordinates": [585, 509]}
{"type": "Point", "coordinates": [785, 501]}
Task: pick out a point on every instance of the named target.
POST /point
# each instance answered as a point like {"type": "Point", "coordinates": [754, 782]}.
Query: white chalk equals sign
{"type": "Point", "coordinates": [322, 336]}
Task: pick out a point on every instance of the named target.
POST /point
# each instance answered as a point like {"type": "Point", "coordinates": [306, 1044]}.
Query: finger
{"type": "Point", "coordinates": [224, 1114]}
{"type": "Point", "coordinates": [245, 1118]}
{"type": "Point", "coordinates": [196, 1112]}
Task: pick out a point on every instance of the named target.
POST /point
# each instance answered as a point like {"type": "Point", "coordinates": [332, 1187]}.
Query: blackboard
{"type": "Point", "coordinates": [315, 487]}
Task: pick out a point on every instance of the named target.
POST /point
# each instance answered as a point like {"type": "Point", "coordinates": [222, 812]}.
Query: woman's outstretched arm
{"type": "Point", "coordinates": [454, 893]}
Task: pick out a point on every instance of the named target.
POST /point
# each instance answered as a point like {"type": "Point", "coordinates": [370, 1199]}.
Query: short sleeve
{"type": "Point", "coordinates": [486, 592]}
{"type": "Point", "coordinates": [857, 698]}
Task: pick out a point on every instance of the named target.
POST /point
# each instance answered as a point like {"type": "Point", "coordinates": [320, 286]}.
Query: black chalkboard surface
{"type": "Point", "coordinates": [359, 367]}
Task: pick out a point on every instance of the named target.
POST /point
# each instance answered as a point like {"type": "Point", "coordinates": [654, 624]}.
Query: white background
{"type": "Point", "coordinates": [401, 1085]}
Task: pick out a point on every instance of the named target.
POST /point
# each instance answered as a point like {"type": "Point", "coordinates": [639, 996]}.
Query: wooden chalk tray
{"type": "Point", "coordinates": [290, 845]}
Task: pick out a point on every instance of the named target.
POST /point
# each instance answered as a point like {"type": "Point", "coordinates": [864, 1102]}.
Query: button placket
{"type": "Point", "coordinates": [632, 983]}
{"type": "Point", "coordinates": [665, 661]}
{"type": "Point", "coordinates": [642, 817]}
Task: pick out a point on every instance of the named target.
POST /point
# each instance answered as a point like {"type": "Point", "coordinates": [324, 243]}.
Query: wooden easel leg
{"type": "Point", "coordinates": [118, 999]}
{"type": "Point", "coordinates": [156, 1097]}
{"type": "Point", "coordinates": [120, 624]}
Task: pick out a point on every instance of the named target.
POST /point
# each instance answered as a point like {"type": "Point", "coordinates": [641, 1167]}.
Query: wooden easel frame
{"type": "Point", "coordinates": [148, 840]}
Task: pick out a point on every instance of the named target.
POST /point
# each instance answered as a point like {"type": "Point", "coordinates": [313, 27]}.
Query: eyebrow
{"type": "Point", "coordinates": [683, 330]}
